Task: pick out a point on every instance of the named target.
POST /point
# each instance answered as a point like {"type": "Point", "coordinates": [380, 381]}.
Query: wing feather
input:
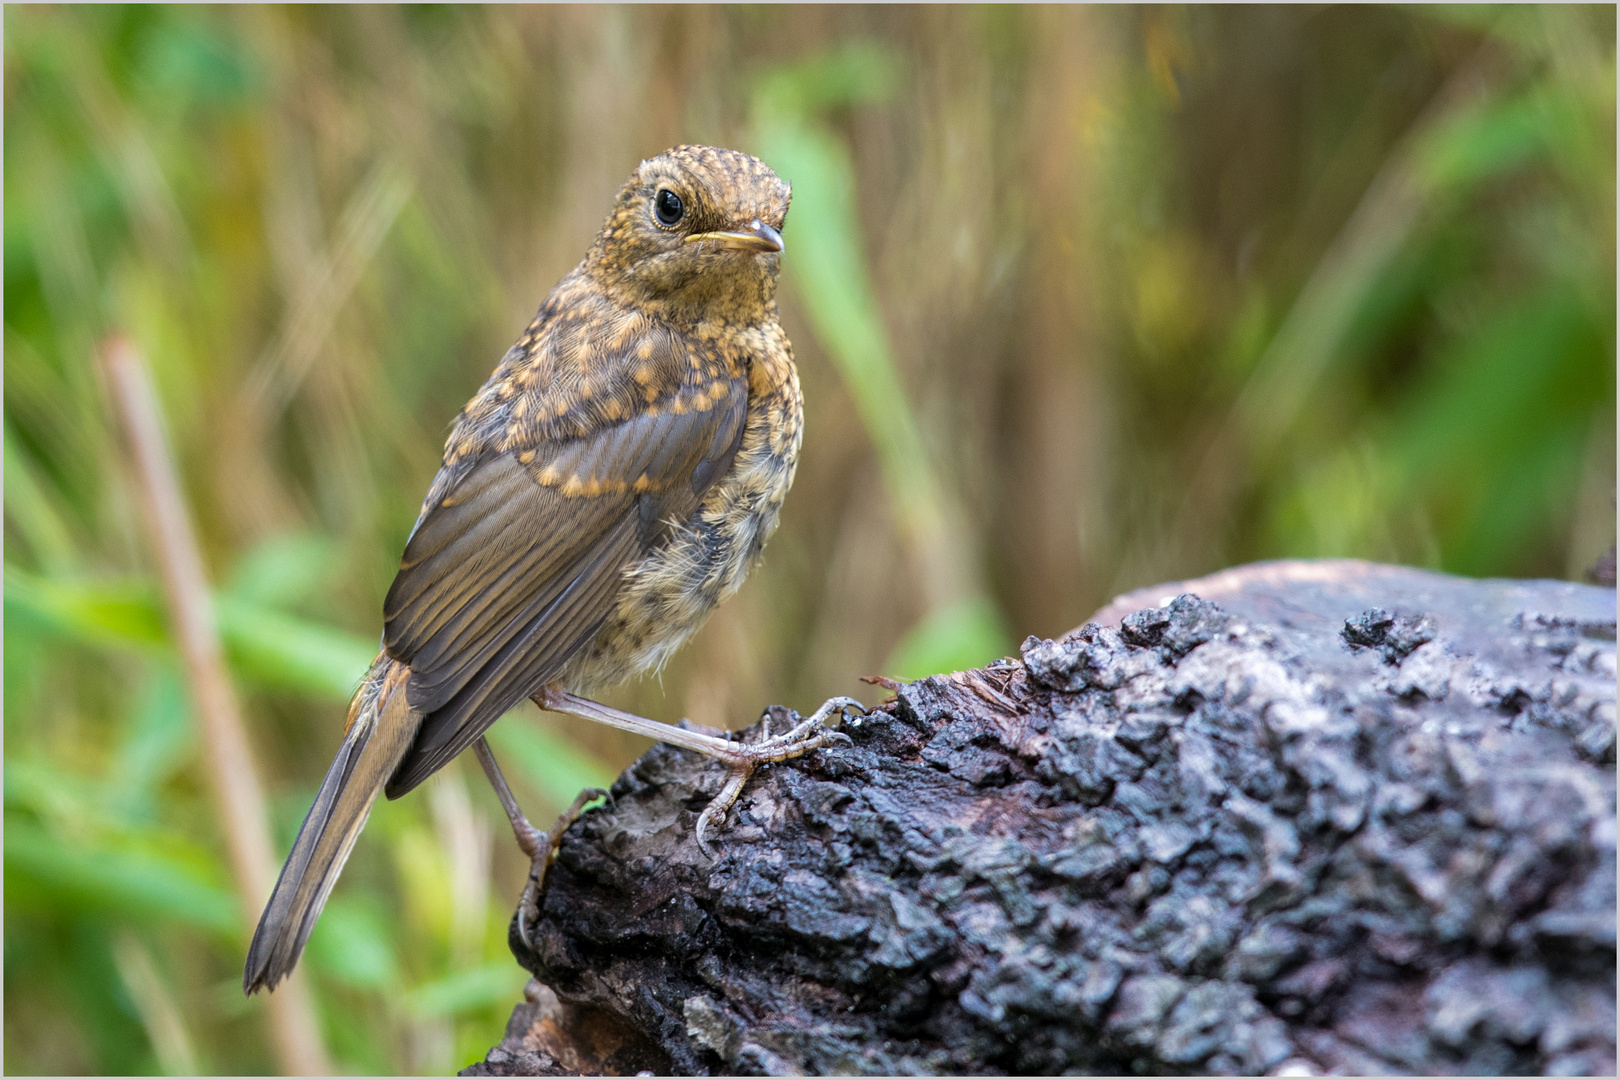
{"type": "Point", "coordinates": [524, 663]}
{"type": "Point", "coordinates": [519, 558]}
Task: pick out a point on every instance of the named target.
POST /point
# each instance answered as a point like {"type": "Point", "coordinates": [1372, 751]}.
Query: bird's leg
{"type": "Point", "coordinates": [539, 846]}
{"type": "Point", "coordinates": [741, 758]}
{"type": "Point", "coordinates": [529, 838]}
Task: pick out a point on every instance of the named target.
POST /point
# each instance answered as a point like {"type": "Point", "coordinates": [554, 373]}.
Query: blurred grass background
{"type": "Point", "coordinates": [1083, 300]}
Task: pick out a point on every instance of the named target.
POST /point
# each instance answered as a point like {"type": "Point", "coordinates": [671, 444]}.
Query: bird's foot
{"type": "Point", "coordinates": [810, 733]}
{"type": "Point", "coordinates": [806, 735]}
{"type": "Point", "coordinates": [542, 848]}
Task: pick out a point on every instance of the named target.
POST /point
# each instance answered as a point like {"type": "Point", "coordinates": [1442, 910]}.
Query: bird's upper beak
{"type": "Point", "coordinates": [758, 237]}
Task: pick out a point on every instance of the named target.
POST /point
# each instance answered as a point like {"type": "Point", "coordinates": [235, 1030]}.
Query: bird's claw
{"type": "Point", "coordinates": [542, 848]}
{"type": "Point", "coordinates": [528, 910]}
{"type": "Point", "coordinates": [811, 733]}
{"type": "Point", "coordinates": [720, 804]}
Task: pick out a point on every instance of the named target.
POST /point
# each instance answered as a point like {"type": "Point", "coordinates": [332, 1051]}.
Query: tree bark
{"type": "Point", "coordinates": [1301, 817]}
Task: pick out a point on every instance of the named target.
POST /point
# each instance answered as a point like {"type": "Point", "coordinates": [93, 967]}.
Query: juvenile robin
{"type": "Point", "coordinates": [612, 481]}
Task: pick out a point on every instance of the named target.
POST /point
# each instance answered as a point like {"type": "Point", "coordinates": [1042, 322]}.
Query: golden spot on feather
{"type": "Point", "coordinates": [623, 332]}
{"type": "Point", "coordinates": [520, 406]}
{"type": "Point", "coordinates": [549, 476]}
{"type": "Point", "coordinates": [614, 409]}
{"type": "Point", "coordinates": [591, 487]}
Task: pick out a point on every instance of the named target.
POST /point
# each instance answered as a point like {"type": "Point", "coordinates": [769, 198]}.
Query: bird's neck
{"type": "Point", "coordinates": [741, 296]}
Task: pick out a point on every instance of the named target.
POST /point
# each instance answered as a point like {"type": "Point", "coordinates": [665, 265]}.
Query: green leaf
{"type": "Point", "coordinates": [1492, 436]}
{"type": "Point", "coordinates": [31, 510]}
{"type": "Point", "coordinates": [97, 612]}
{"type": "Point", "coordinates": [54, 793]}
{"type": "Point", "coordinates": [556, 768]}
{"type": "Point", "coordinates": [1483, 142]}
{"type": "Point", "coordinates": [144, 877]}
{"type": "Point", "coordinates": [262, 643]}
{"type": "Point", "coordinates": [286, 651]}
{"type": "Point", "coordinates": [157, 740]}
{"type": "Point", "coordinates": [184, 60]}
{"type": "Point", "coordinates": [283, 570]}
{"type": "Point", "coordinates": [962, 636]}
{"type": "Point", "coordinates": [858, 72]}
{"type": "Point", "coordinates": [351, 943]}
{"type": "Point", "coordinates": [495, 983]}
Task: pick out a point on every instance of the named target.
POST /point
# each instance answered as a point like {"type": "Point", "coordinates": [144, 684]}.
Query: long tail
{"type": "Point", "coordinates": [381, 729]}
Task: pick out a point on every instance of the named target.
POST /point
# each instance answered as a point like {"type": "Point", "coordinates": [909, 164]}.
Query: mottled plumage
{"type": "Point", "coordinates": [612, 481]}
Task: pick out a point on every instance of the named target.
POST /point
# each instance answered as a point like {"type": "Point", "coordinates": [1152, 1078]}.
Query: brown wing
{"type": "Point", "coordinates": [515, 566]}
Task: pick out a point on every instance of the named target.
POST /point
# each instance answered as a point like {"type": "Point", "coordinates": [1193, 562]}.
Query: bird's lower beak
{"type": "Point", "coordinates": [759, 238]}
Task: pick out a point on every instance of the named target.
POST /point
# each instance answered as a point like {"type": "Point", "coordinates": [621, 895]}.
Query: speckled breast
{"type": "Point", "coordinates": [668, 596]}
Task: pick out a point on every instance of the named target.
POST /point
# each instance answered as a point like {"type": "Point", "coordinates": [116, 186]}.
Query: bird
{"type": "Point", "coordinates": [613, 480]}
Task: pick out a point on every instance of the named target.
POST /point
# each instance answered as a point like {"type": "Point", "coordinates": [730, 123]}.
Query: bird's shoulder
{"type": "Point", "coordinates": [587, 363]}
{"type": "Point", "coordinates": [591, 379]}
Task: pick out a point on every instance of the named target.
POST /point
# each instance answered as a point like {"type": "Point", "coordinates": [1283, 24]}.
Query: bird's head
{"type": "Point", "coordinates": [697, 233]}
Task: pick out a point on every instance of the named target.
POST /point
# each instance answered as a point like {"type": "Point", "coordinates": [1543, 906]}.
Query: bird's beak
{"type": "Point", "coordinates": [759, 238]}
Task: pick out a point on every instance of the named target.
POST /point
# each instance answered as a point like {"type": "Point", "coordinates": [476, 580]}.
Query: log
{"type": "Point", "coordinates": [1296, 817]}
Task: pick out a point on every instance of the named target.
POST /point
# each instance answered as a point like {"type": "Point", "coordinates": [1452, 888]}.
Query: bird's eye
{"type": "Point", "coordinates": [667, 206]}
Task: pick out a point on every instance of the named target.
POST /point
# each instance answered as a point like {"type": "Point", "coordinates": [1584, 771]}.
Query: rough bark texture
{"type": "Point", "coordinates": [1317, 817]}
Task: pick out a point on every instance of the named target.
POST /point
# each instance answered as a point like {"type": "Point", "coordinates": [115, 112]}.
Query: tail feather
{"type": "Point", "coordinates": [382, 727]}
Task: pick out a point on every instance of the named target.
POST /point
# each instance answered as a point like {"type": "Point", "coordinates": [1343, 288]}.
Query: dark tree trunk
{"type": "Point", "coordinates": [1318, 816]}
